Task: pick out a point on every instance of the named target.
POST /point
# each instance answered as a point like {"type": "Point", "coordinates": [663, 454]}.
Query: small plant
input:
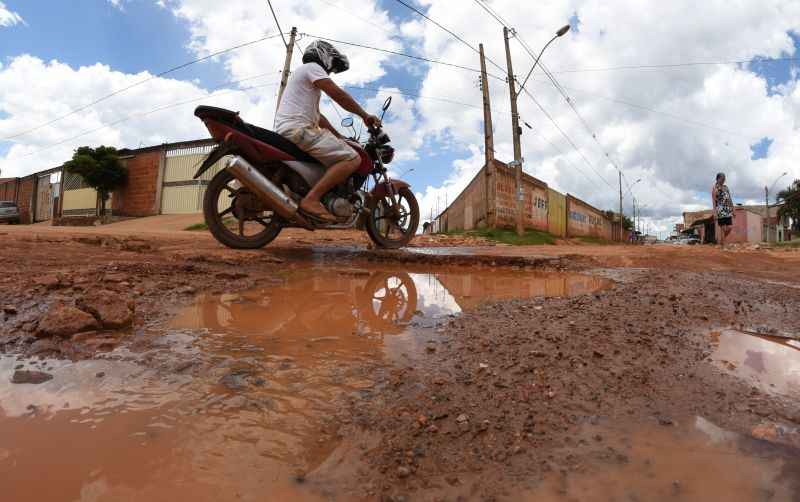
{"type": "Point", "coordinates": [101, 169]}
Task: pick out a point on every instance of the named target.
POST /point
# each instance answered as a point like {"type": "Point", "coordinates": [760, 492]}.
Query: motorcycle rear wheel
{"type": "Point", "coordinates": [230, 215]}
{"type": "Point", "coordinates": [389, 230]}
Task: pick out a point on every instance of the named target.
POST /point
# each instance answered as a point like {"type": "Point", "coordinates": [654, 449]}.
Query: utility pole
{"type": "Point", "coordinates": [488, 133]}
{"type": "Point", "coordinates": [286, 65]}
{"type": "Point", "coordinates": [516, 131]}
{"type": "Point", "coordinates": [621, 218]}
{"type": "Point", "coordinates": [766, 213]}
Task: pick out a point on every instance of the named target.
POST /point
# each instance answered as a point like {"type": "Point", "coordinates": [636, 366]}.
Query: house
{"type": "Point", "coordinates": [747, 226]}
{"type": "Point", "coordinates": [775, 229]}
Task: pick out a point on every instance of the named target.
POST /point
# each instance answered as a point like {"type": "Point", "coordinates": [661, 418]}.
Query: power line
{"type": "Point", "coordinates": [127, 88]}
{"type": "Point", "coordinates": [456, 36]}
{"type": "Point", "coordinates": [285, 43]}
{"type": "Point", "coordinates": [569, 140]}
{"type": "Point", "coordinates": [679, 65]}
{"type": "Point", "coordinates": [396, 53]}
{"type": "Point", "coordinates": [149, 112]}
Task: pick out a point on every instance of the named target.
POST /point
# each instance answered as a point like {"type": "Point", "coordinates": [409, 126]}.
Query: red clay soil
{"type": "Point", "coordinates": [496, 403]}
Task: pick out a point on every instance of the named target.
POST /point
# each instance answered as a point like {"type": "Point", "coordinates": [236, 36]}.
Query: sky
{"type": "Point", "coordinates": [670, 93]}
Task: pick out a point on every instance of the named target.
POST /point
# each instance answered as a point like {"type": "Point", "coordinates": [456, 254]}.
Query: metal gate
{"type": "Point", "coordinates": [44, 201]}
{"type": "Point", "coordinates": [556, 213]}
{"type": "Point", "coordinates": [180, 193]}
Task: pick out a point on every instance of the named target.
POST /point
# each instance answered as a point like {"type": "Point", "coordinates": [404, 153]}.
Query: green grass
{"type": "Point", "coordinates": [228, 221]}
{"type": "Point", "coordinates": [529, 238]}
{"type": "Point", "coordinates": [794, 243]}
{"type": "Point", "coordinates": [197, 226]}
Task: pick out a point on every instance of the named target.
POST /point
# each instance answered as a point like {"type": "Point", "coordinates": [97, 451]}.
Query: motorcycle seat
{"type": "Point", "coordinates": [272, 138]}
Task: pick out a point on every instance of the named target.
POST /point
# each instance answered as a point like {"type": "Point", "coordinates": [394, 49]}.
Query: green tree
{"type": "Point", "coordinates": [627, 223]}
{"type": "Point", "coordinates": [101, 169]}
{"type": "Point", "coordinates": [791, 208]}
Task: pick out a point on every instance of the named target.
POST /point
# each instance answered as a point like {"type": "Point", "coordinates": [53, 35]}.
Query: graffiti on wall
{"type": "Point", "coordinates": [587, 219]}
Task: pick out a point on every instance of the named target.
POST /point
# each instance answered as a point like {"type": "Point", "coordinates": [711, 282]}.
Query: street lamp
{"type": "Point", "coordinates": [560, 33]}
{"type": "Point", "coordinates": [631, 187]}
{"type": "Point", "coordinates": [515, 128]}
{"type": "Point", "coordinates": [766, 207]}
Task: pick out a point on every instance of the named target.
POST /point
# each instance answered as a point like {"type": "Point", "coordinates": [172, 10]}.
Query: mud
{"type": "Point", "coordinates": [319, 370]}
{"type": "Point", "coordinates": [236, 385]}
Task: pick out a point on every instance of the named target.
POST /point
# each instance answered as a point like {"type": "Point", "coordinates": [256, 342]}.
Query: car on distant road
{"type": "Point", "coordinates": [9, 213]}
{"type": "Point", "coordinates": [687, 241]}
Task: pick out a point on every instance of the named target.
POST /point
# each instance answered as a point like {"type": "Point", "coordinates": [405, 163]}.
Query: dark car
{"type": "Point", "coordinates": [9, 213]}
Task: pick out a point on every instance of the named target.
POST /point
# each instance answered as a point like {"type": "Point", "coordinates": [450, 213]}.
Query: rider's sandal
{"type": "Point", "coordinates": [319, 217]}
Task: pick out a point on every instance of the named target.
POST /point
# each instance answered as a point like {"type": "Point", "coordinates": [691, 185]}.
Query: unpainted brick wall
{"type": "Point", "coordinates": [140, 194]}
{"type": "Point", "coordinates": [25, 199]}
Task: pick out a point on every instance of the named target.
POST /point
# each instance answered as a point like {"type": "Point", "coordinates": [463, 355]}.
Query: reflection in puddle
{"type": "Point", "coordinates": [771, 364]}
{"type": "Point", "coordinates": [241, 393]}
{"type": "Point", "coordinates": [696, 462]}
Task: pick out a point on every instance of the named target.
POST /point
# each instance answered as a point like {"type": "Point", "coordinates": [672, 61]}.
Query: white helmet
{"type": "Point", "coordinates": [327, 56]}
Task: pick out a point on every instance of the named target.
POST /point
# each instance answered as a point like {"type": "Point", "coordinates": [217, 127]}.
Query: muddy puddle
{"type": "Point", "coordinates": [238, 397]}
{"type": "Point", "coordinates": [772, 364]}
{"type": "Point", "coordinates": [690, 460]}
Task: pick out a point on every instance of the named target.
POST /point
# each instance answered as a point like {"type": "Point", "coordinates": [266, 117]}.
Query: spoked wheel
{"type": "Point", "coordinates": [392, 297]}
{"type": "Point", "coordinates": [393, 223]}
{"type": "Point", "coordinates": [236, 217]}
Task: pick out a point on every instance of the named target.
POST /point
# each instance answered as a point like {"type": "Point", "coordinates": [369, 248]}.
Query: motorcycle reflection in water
{"type": "Point", "coordinates": [237, 394]}
{"type": "Point", "coordinates": [312, 307]}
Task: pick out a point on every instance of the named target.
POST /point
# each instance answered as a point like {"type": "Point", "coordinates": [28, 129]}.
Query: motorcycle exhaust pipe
{"type": "Point", "coordinates": [265, 190]}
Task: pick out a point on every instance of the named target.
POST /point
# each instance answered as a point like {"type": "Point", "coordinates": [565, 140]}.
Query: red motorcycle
{"type": "Point", "coordinates": [265, 176]}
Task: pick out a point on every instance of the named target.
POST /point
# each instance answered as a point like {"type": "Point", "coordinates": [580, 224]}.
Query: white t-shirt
{"type": "Point", "coordinates": [300, 103]}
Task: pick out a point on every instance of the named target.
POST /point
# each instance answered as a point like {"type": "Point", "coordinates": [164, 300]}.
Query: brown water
{"type": "Point", "coordinates": [693, 461]}
{"type": "Point", "coordinates": [239, 393]}
{"type": "Point", "coordinates": [769, 363]}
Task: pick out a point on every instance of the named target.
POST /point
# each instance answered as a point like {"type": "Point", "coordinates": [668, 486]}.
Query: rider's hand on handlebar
{"type": "Point", "coordinates": [372, 121]}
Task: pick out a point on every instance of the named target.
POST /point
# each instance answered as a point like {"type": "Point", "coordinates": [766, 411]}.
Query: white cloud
{"type": "Point", "coordinates": [8, 17]}
{"type": "Point", "coordinates": [666, 146]}
{"type": "Point", "coordinates": [675, 159]}
{"type": "Point", "coordinates": [35, 91]}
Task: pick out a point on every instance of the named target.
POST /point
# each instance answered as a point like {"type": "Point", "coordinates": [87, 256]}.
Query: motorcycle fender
{"type": "Point", "coordinates": [380, 191]}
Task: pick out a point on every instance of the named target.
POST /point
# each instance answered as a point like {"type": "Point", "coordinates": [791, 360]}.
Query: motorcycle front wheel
{"type": "Point", "coordinates": [235, 216]}
{"type": "Point", "coordinates": [391, 225]}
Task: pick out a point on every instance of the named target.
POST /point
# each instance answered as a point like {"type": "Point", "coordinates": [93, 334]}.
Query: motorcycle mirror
{"type": "Point", "coordinates": [387, 103]}
{"type": "Point", "coordinates": [347, 122]}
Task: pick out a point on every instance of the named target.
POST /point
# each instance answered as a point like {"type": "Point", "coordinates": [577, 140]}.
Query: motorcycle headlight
{"type": "Point", "coordinates": [387, 154]}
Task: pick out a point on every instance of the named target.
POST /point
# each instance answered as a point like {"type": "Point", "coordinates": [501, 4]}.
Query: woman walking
{"type": "Point", "coordinates": [723, 207]}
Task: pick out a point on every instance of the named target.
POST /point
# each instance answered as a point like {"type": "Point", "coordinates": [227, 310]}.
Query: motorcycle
{"type": "Point", "coordinates": [265, 176]}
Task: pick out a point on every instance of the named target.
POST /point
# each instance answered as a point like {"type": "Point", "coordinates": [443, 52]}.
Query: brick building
{"type": "Point", "coordinates": [489, 200]}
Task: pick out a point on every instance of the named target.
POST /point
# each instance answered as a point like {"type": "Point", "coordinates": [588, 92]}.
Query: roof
{"type": "Point", "coordinates": [6, 180]}
{"type": "Point", "coordinates": [177, 144]}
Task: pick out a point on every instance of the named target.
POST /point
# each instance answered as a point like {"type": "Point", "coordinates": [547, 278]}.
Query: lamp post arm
{"type": "Point", "coordinates": [521, 87]}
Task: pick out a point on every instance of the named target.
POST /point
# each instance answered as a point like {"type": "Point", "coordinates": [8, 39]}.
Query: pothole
{"type": "Point", "coordinates": [769, 363]}
{"type": "Point", "coordinates": [240, 393]}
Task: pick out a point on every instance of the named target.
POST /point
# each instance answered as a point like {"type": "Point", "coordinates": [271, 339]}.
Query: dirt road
{"type": "Point", "coordinates": [149, 364]}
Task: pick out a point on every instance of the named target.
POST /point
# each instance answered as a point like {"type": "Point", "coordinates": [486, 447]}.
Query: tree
{"type": "Point", "coordinates": [101, 169]}
{"type": "Point", "coordinates": [627, 223]}
{"type": "Point", "coordinates": [791, 207]}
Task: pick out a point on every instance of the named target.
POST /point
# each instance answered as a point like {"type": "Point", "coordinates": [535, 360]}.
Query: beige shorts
{"type": "Point", "coordinates": [321, 144]}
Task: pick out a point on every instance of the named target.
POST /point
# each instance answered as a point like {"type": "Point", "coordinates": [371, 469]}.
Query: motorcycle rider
{"type": "Point", "coordinates": [299, 120]}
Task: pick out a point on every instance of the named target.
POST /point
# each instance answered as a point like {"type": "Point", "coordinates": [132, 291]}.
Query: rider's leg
{"type": "Point", "coordinates": [334, 175]}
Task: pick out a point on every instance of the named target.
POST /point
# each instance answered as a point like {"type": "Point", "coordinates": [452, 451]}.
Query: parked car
{"type": "Point", "coordinates": [9, 213]}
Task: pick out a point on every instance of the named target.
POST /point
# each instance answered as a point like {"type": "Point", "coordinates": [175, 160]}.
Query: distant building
{"type": "Point", "coordinates": [747, 226]}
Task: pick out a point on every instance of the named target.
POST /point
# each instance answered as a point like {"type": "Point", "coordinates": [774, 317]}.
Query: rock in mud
{"type": "Point", "coordinates": [9, 309]}
{"type": "Point", "coordinates": [65, 320]}
{"type": "Point", "coordinates": [112, 309]}
{"type": "Point", "coordinates": [30, 376]}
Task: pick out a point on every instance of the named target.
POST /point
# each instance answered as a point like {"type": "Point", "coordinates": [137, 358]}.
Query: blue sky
{"type": "Point", "coordinates": [145, 37]}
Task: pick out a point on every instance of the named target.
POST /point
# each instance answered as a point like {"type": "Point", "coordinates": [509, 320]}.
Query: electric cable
{"type": "Point", "coordinates": [136, 84]}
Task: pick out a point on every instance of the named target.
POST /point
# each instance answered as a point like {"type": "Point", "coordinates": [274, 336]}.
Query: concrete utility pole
{"type": "Point", "coordinates": [488, 133]}
{"type": "Point", "coordinates": [621, 218]}
{"type": "Point", "coordinates": [516, 131]}
{"type": "Point", "coordinates": [286, 65]}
